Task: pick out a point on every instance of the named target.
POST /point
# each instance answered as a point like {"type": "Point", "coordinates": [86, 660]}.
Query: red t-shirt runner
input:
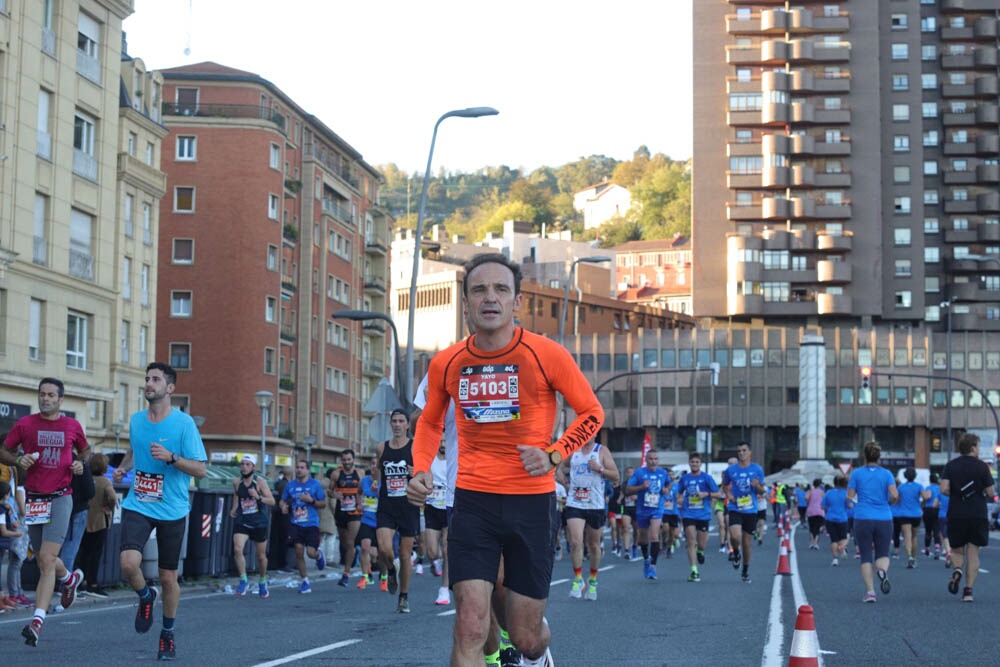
{"type": "Point", "coordinates": [54, 441]}
{"type": "Point", "coordinates": [504, 399]}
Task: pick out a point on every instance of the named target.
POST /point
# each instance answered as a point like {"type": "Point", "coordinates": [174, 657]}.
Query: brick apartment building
{"type": "Point", "coordinates": [271, 223]}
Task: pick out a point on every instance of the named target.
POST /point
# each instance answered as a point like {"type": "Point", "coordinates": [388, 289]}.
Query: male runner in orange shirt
{"type": "Point", "coordinates": [504, 381]}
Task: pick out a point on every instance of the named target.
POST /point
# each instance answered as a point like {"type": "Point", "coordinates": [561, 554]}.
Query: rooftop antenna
{"type": "Point", "coordinates": [187, 29]}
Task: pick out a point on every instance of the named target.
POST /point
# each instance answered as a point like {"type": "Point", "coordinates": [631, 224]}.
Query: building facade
{"type": "Point", "coordinates": [79, 166]}
{"type": "Point", "coordinates": [657, 273]}
{"type": "Point", "coordinates": [271, 224]}
{"type": "Point", "coordinates": [846, 180]}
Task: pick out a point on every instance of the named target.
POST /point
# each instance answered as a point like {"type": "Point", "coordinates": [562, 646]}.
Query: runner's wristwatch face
{"type": "Point", "coordinates": [555, 457]}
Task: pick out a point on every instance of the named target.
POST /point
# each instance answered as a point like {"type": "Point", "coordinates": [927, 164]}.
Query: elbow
{"type": "Point", "coordinates": [201, 469]}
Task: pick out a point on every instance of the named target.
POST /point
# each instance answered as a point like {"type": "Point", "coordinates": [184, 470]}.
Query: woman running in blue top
{"type": "Point", "coordinates": [872, 490]}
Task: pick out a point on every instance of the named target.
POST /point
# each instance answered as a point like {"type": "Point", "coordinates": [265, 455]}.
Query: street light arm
{"type": "Point", "coordinates": [364, 315]}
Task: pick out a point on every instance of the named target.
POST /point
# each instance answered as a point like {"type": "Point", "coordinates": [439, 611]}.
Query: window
{"type": "Point", "coordinates": [184, 199]}
{"type": "Point", "coordinates": [900, 52]}
{"type": "Point", "coordinates": [744, 136]}
{"type": "Point", "coordinates": [928, 81]}
{"type": "Point", "coordinates": [88, 48]}
{"type": "Point", "coordinates": [129, 208]}
{"type": "Point", "coordinates": [272, 258]}
{"type": "Point", "coordinates": [127, 278]}
{"type": "Point", "coordinates": [143, 346]}
{"type": "Point", "coordinates": [187, 148]}
{"type": "Point", "coordinates": [144, 285]}
{"type": "Point", "coordinates": [44, 145]}
{"type": "Point", "coordinates": [928, 52]}
{"type": "Point", "coordinates": [40, 250]}
{"type": "Point", "coordinates": [270, 309]}
{"type": "Point", "coordinates": [901, 205]}
{"type": "Point", "coordinates": [899, 22]}
{"type": "Point", "coordinates": [133, 140]}
{"type": "Point", "coordinates": [183, 251]}
{"type": "Point", "coordinates": [932, 255]}
{"type": "Point", "coordinates": [125, 333]}
{"type": "Point", "coordinates": [180, 304]}
{"type": "Point", "coordinates": [960, 194]}
{"type": "Point", "coordinates": [931, 226]}
{"type": "Point", "coordinates": [900, 82]}
{"type": "Point", "coordinates": [928, 24]}
{"type": "Point", "coordinates": [147, 224]}
{"type": "Point", "coordinates": [901, 143]}
{"type": "Point", "coordinates": [76, 340]}
{"type": "Point", "coordinates": [930, 167]}
{"type": "Point", "coordinates": [36, 311]}
{"type": "Point", "coordinates": [932, 284]}
{"type": "Point", "coordinates": [186, 101]}
{"type": "Point", "coordinates": [81, 231]}
{"type": "Point", "coordinates": [272, 206]}
{"type": "Point", "coordinates": [931, 138]}
{"type": "Point", "coordinates": [960, 224]}
{"type": "Point", "coordinates": [930, 197]}
{"type": "Point", "coordinates": [745, 101]}
{"type": "Point", "coordinates": [900, 112]}
{"type": "Point", "coordinates": [84, 129]}
{"type": "Point", "coordinates": [269, 354]}
{"type": "Point", "coordinates": [901, 174]}
{"type": "Point", "coordinates": [743, 75]}
{"type": "Point", "coordinates": [904, 299]}
{"type": "Point", "coordinates": [150, 151]}
{"type": "Point", "coordinates": [180, 356]}
{"type": "Point", "coordinates": [274, 157]}
{"type": "Point", "coordinates": [960, 137]}
{"type": "Point", "coordinates": [929, 110]}
{"type": "Point", "coordinates": [918, 395]}
{"type": "Point", "coordinates": [903, 268]}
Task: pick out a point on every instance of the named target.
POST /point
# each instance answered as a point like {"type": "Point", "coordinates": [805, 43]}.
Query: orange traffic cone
{"type": "Point", "coordinates": [805, 645]}
{"type": "Point", "coordinates": [783, 565]}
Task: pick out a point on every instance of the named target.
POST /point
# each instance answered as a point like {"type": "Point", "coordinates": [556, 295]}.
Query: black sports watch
{"type": "Point", "coordinates": [555, 457]}
{"type": "Point", "coordinates": [173, 459]}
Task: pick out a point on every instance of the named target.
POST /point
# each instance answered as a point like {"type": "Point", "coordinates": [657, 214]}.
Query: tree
{"type": "Point", "coordinates": [619, 230]}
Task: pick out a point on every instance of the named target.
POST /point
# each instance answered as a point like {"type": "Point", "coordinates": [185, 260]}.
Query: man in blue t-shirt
{"type": "Point", "coordinates": [649, 482]}
{"type": "Point", "coordinates": [166, 451]}
{"type": "Point", "coordinates": [694, 493]}
{"type": "Point", "coordinates": [301, 500]}
{"type": "Point", "coordinates": [742, 482]}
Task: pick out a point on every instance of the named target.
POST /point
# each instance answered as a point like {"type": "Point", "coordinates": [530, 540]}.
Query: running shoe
{"type": "Point", "coordinates": [559, 553]}
{"type": "Point", "coordinates": [884, 584]}
{"type": "Point", "coordinates": [745, 577]}
{"type": "Point", "coordinates": [241, 590]}
{"type": "Point", "coordinates": [947, 561]}
{"type": "Point", "coordinates": [320, 560]}
{"type": "Point", "coordinates": [418, 568]}
{"type": "Point", "coordinates": [645, 568]}
{"type": "Point", "coordinates": [166, 650]}
{"type": "Point", "coordinates": [576, 590]}
{"type": "Point", "coordinates": [144, 615]}
{"type": "Point", "coordinates": [592, 590]}
{"type": "Point", "coordinates": [836, 562]}
{"type": "Point", "coordinates": [97, 591]}
{"type": "Point", "coordinates": [870, 597]}
{"type": "Point", "coordinates": [8, 603]}
{"type": "Point", "coordinates": [383, 583]}
{"type": "Point", "coordinates": [736, 558]}
{"type": "Point", "coordinates": [911, 563]}
{"type": "Point", "coordinates": [510, 657]}
{"type": "Point", "coordinates": [956, 578]}
{"type": "Point", "coordinates": [627, 555]}
{"type": "Point", "coordinates": [305, 588]}
{"type": "Point", "coordinates": [722, 549]}
{"type": "Point", "coordinates": [966, 594]}
{"type": "Point", "coordinates": [444, 596]}
{"type": "Point", "coordinates": [363, 582]}
{"type": "Point", "coordinates": [438, 567]}
{"type": "Point", "coordinates": [262, 591]}
{"type": "Point", "coordinates": [69, 588]}
{"type": "Point", "coordinates": [652, 573]}
{"type": "Point", "coordinates": [31, 631]}
{"type": "Point", "coordinates": [403, 607]}
{"type": "Point", "coordinates": [701, 557]}
{"type": "Point", "coordinates": [393, 583]}
{"type": "Point", "coordinates": [694, 577]}
{"type": "Point", "coordinates": [25, 601]}
{"type": "Point", "coordinates": [344, 580]}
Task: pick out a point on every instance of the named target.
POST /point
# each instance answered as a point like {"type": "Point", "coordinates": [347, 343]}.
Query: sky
{"type": "Point", "coordinates": [570, 78]}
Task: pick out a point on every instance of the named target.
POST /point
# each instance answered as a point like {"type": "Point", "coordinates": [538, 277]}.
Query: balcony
{"type": "Point", "coordinates": [290, 234]}
{"type": "Point", "coordinates": [833, 242]}
{"type": "Point", "coordinates": [988, 114]}
{"type": "Point", "coordinates": [88, 67]}
{"type": "Point", "coordinates": [830, 272]}
{"type": "Point", "coordinates": [986, 86]}
{"type": "Point", "coordinates": [339, 211]}
{"type": "Point", "coordinates": [988, 202]}
{"type": "Point", "coordinates": [740, 26]}
{"type": "Point", "coordinates": [373, 367]}
{"type": "Point", "coordinates": [985, 58]}
{"type": "Point", "coordinates": [139, 173]}
{"type": "Point", "coordinates": [39, 251]}
{"type": "Point", "coordinates": [833, 304]}
{"type": "Point", "coordinates": [81, 265]}
{"type": "Point", "coordinates": [240, 111]}
{"type": "Point", "coordinates": [972, 291]}
{"type": "Point", "coordinates": [961, 265]}
{"type": "Point", "coordinates": [960, 236]}
{"type": "Point", "coordinates": [954, 206]}
{"type": "Point", "coordinates": [743, 271]}
{"type": "Point", "coordinates": [959, 177]}
{"type": "Point", "coordinates": [775, 208]}
{"type": "Point", "coordinates": [332, 162]}
{"type": "Point", "coordinates": [985, 28]}
{"type": "Point", "coordinates": [375, 244]}
{"type": "Point", "coordinates": [286, 383]}
{"type": "Point", "coordinates": [44, 145]}
{"type": "Point", "coordinates": [288, 284]}
{"type": "Point", "coordinates": [965, 148]}
{"type": "Point", "coordinates": [746, 304]}
{"type": "Point", "coordinates": [988, 143]}
{"type": "Point", "coordinates": [84, 164]}
{"type": "Point", "coordinates": [739, 213]}
{"type": "Point", "coordinates": [987, 173]}
{"type": "Point", "coordinates": [988, 233]}
{"type": "Point", "coordinates": [374, 285]}
{"type": "Point", "coordinates": [288, 333]}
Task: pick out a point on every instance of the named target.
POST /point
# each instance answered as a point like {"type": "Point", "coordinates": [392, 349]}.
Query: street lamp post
{"type": "Point", "coordinates": [471, 112]}
{"type": "Point", "coordinates": [598, 259]}
{"type": "Point", "coordinates": [364, 315]}
{"type": "Point", "coordinates": [263, 399]}
{"type": "Point", "coordinates": [948, 304]}
{"type": "Point", "coordinates": [309, 441]}
{"type": "Point", "coordinates": [117, 428]}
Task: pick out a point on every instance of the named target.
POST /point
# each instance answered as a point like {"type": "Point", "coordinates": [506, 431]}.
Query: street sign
{"type": "Point", "coordinates": [845, 467]}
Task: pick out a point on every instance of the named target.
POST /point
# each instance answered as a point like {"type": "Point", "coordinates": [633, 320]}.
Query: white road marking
{"type": "Point", "coordinates": [556, 582]}
{"type": "Point", "coordinates": [447, 613]}
{"type": "Point", "coordinates": [799, 592]}
{"type": "Point", "coordinates": [775, 643]}
{"type": "Point", "coordinates": [309, 653]}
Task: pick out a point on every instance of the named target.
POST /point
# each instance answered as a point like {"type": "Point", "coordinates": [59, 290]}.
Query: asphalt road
{"type": "Point", "coordinates": [634, 622]}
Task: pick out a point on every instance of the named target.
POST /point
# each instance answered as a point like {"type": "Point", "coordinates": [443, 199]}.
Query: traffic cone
{"type": "Point", "coordinates": [788, 535]}
{"type": "Point", "coordinates": [805, 645]}
{"type": "Point", "coordinates": [783, 565]}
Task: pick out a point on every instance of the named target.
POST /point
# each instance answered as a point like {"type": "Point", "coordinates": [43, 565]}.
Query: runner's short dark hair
{"type": "Point", "coordinates": [491, 258]}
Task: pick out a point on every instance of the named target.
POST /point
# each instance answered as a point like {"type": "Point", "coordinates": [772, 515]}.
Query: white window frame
{"type": "Point", "coordinates": [270, 309]}
{"type": "Point", "coordinates": [274, 156]}
{"type": "Point", "coordinates": [273, 204]}
{"type": "Point", "coordinates": [177, 189]}
{"type": "Point", "coordinates": [186, 148]}
{"type": "Point", "coordinates": [174, 258]}
{"type": "Point", "coordinates": [36, 316]}
{"type": "Point", "coordinates": [77, 330]}
{"type": "Point", "coordinates": [181, 303]}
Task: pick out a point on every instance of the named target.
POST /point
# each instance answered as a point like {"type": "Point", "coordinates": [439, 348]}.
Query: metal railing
{"type": "Point", "coordinates": [251, 111]}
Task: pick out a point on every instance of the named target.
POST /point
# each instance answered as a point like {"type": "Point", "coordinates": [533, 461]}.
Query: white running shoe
{"type": "Point", "coordinates": [444, 596]}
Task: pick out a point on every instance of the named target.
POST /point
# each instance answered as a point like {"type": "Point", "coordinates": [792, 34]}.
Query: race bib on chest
{"type": "Point", "coordinates": [651, 500]}
{"type": "Point", "coordinates": [348, 503]}
{"type": "Point", "coordinates": [300, 514]}
{"type": "Point", "coordinates": [248, 505]}
{"type": "Point", "coordinates": [38, 512]}
{"type": "Point", "coordinates": [489, 393]}
{"type": "Point", "coordinates": [744, 502]}
{"type": "Point", "coordinates": [148, 487]}
{"type": "Point", "coordinates": [395, 487]}
{"type": "Point", "coordinates": [371, 503]}
{"type": "Point", "coordinates": [668, 504]}
{"type": "Point", "coordinates": [696, 502]}
{"type": "Point", "coordinates": [437, 495]}
{"type": "Point", "coordinates": [581, 494]}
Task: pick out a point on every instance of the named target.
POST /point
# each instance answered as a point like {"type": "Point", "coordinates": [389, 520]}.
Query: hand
{"type": "Point", "coordinates": [28, 460]}
{"type": "Point", "coordinates": [535, 460]}
{"type": "Point", "coordinates": [159, 452]}
{"type": "Point", "coordinates": [252, 492]}
{"type": "Point", "coordinates": [118, 475]}
{"type": "Point", "coordinates": [595, 465]}
{"type": "Point", "coordinates": [284, 507]}
{"type": "Point", "coordinates": [645, 484]}
{"type": "Point", "coordinates": [77, 467]}
{"type": "Point", "coordinates": [420, 486]}
{"type": "Point", "coordinates": [306, 498]}
{"type": "Point", "coordinates": [232, 513]}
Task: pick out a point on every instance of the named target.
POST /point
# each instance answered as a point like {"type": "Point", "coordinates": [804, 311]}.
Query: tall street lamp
{"type": "Point", "coordinates": [263, 399]}
{"type": "Point", "coordinates": [598, 259]}
{"type": "Point", "coordinates": [948, 304]}
{"type": "Point", "coordinates": [364, 315]}
{"type": "Point", "coordinates": [309, 441]}
{"type": "Point", "coordinates": [471, 112]}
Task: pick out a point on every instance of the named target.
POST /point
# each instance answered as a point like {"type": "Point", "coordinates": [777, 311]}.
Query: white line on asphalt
{"type": "Point", "coordinates": [775, 630]}
{"type": "Point", "coordinates": [557, 582]}
{"type": "Point", "coordinates": [309, 653]}
{"type": "Point", "coordinates": [447, 613]}
{"type": "Point", "coordinates": [799, 592]}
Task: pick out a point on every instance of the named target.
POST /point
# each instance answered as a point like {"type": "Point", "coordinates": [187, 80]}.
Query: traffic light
{"type": "Point", "coordinates": [866, 377]}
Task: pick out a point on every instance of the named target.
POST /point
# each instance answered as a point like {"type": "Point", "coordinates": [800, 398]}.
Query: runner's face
{"type": "Point", "coordinates": [301, 471]}
{"type": "Point", "coordinates": [49, 400]}
{"type": "Point", "coordinates": [491, 301]}
{"type": "Point", "coordinates": [652, 460]}
{"type": "Point", "coordinates": [399, 424]}
{"type": "Point", "coordinates": [156, 385]}
{"type": "Point", "coordinates": [347, 462]}
{"type": "Point", "coordinates": [695, 465]}
{"type": "Point", "coordinates": [743, 454]}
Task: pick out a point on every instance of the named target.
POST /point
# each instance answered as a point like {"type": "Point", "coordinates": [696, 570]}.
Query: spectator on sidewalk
{"type": "Point", "coordinates": [99, 512]}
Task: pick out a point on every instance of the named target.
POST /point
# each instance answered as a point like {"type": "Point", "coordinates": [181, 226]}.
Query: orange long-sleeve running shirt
{"type": "Point", "coordinates": [504, 399]}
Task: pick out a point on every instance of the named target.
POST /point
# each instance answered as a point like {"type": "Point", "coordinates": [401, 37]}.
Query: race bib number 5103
{"type": "Point", "coordinates": [489, 393]}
